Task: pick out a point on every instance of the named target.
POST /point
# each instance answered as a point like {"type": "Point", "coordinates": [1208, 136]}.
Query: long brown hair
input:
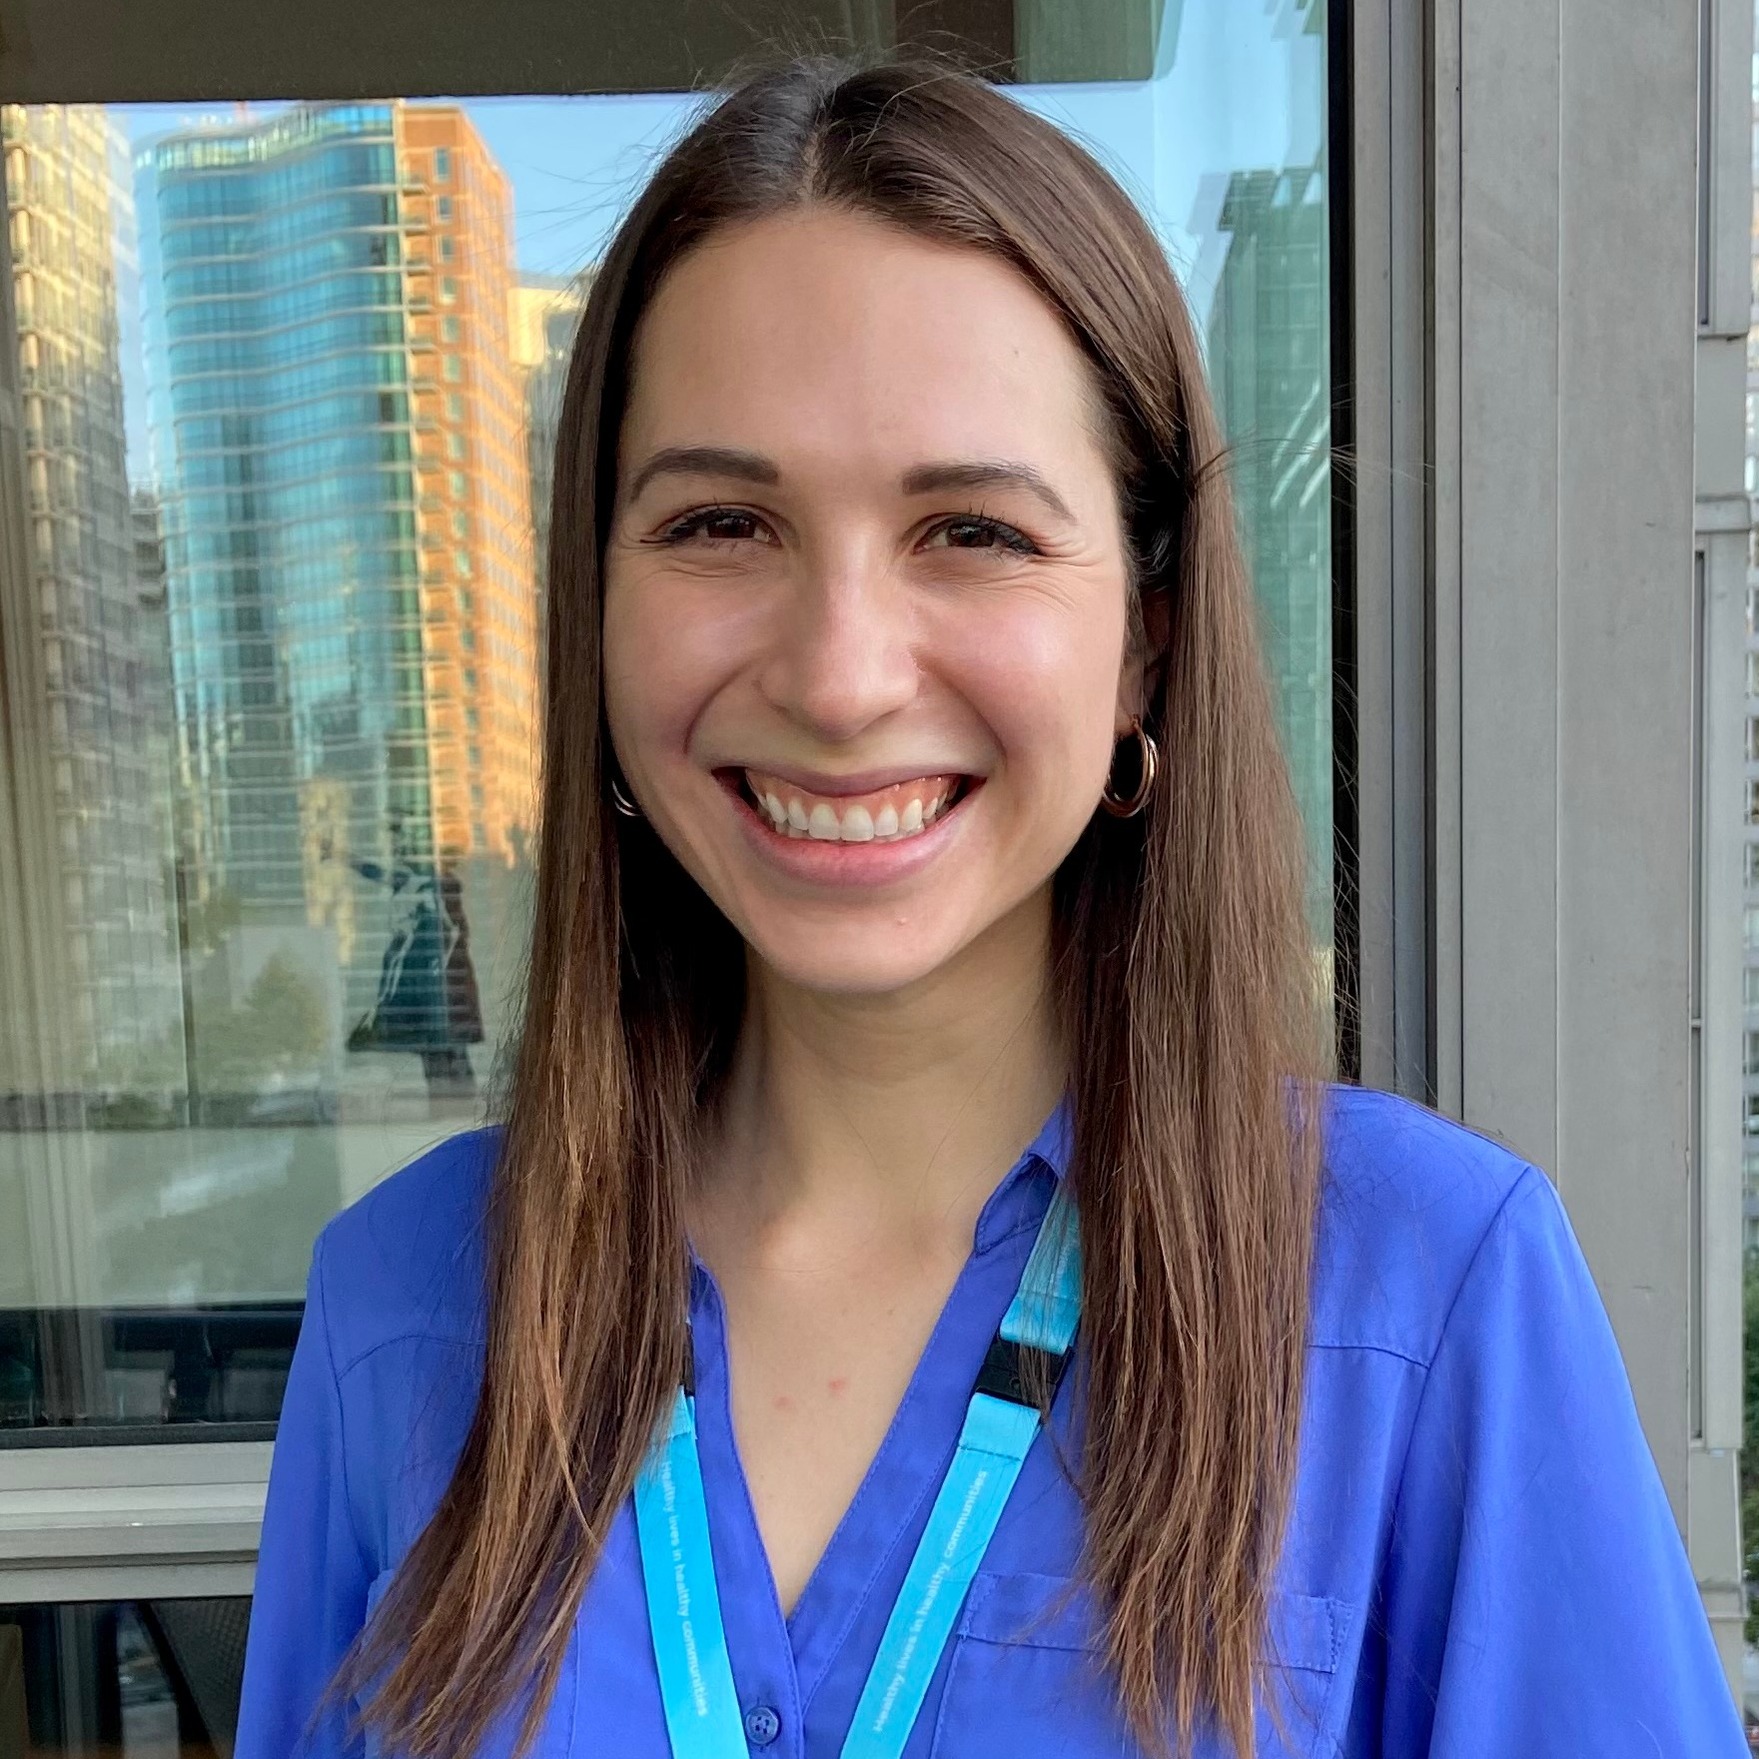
{"type": "Point", "coordinates": [1185, 971]}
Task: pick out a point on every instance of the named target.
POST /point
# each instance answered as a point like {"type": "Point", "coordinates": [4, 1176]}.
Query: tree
{"type": "Point", "coordinates": [279, 1029]}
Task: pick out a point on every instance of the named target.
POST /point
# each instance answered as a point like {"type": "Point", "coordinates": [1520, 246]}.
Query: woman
{"type": "Point", "coordinates": [918, 974]}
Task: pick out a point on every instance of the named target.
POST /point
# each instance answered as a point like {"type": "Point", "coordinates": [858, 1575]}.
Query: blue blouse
{"type": "Point", "coordinates": [1481, 1561]}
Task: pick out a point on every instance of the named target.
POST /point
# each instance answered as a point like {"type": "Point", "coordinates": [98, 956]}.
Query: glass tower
{"type": "Point", "coordinates": [339, 453]}
{"type": "Point", "coordinates": [71, 222]}
{"type": "Point", "coordinates": [1269, 355]}
{"type": "Point", "coordinates": [547, 310]}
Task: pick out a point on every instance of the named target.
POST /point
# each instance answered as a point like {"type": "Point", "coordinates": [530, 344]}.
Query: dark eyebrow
{"type": "Point", "coordinates": [923, 479]}
{"type": "Point", "coordinates": [978, 473]}
{"type": "Point", "coordinates": [751, 467]}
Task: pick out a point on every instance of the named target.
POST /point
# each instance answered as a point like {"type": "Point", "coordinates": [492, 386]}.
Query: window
{"type": "Point", "coordinates": [197, 1004]}
{"type": "Point", "coordinates": [1753, 802]}
{"type": "Point", "coordinates": [1752, 1060]}
{"type": "Point", "coordinates": [120, 1674]}
{"type": "Point", "coordinates": [232, 779]}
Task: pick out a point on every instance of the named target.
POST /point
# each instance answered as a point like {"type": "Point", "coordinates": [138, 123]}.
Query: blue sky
{"type": "Point", "coordinates": [1242, 89]}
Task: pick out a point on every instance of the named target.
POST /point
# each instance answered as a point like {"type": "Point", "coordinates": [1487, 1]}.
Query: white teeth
{"type": "Point", "coordinates": [856, 823]}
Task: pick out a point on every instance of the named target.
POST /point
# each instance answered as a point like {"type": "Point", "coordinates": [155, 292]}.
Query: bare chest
{"type": "Point", "coordinates": [817, 1375]}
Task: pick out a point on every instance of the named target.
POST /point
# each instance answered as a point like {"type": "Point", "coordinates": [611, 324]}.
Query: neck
{"type": "Point", "coordinates": [894, 1113]}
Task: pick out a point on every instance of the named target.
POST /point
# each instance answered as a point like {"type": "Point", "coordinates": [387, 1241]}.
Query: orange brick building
{"type": "Point", "coordinates": [477, 572]}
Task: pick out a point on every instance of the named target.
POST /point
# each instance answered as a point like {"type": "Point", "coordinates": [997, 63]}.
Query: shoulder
{"type": "Point", "coordinates": [406, 1259]}
{"type": "Point", "coordinates": [1410, 1200]}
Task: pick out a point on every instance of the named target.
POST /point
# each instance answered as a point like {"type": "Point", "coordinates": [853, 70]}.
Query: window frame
{"type": "Point", "coordinates": [86, 1520]}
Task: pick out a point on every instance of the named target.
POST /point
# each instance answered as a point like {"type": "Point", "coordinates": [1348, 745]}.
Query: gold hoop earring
{"type": "Point", "coordinates": [1148, 767]}
{"type": "Point", "coordinates": [620, 799]}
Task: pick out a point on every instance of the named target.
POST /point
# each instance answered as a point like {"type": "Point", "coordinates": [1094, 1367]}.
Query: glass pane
{"type": "Point", "coordinates": [278, 393]}
{"type": "Point", "coordinates": [1225, 148]}
{"type": "Point", "coordinates": [140, 1679]}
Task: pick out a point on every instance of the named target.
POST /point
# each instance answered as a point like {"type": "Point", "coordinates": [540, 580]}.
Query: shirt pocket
{"type": "Point", "coordinates": [1026, 1675]}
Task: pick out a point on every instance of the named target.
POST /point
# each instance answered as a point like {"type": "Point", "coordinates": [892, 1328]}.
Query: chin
{"type": "Point", "coordinates": [870, 960]}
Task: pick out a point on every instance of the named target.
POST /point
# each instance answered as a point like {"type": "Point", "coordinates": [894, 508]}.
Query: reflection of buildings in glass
{"type": "Point", "coordinates": [158, 745]}
{"type": "Point", "coordinates": [546, 312]}
{"type": "Point", "coordinates": [339, 438]}
{"type": "Point", "coordinates": [71, 234]}
{"type": "Point", "coordinates": [1268, 351]}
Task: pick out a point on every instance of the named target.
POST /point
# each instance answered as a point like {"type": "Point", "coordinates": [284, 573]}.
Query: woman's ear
{"type": "Point", "coordinates": [1144, 669]}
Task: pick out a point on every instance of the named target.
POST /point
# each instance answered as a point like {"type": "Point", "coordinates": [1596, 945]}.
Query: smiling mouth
{"type": "Point", "coordinates": [893, 814]}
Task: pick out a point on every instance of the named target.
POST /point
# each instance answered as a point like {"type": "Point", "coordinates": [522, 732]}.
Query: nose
{"type": "Point", "coordinates": [842, 658]}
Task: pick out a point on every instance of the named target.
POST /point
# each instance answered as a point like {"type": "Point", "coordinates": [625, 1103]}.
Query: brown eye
{"type": "Point", "coordinates": [972, 532]}
{"type": "Point", "coordinates": [714, 525]}
{"type": "Point", "coordinates": [729, 525]}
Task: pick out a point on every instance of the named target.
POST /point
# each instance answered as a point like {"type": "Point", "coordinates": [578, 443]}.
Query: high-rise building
{"type": "Point", "coordinates": [546, 313]}
{"type": "Point", "coordinates": [339, 443]}
{"type": "Point", "coordinates": [472, 476]}
{"type": "Point", "coordinates": [1269, 354]}
{"type": "Point", "coordinates": [71, 229]}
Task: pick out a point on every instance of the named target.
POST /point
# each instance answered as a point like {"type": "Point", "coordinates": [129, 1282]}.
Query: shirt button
{"type": "Point", "coordinates": [762, 1725]}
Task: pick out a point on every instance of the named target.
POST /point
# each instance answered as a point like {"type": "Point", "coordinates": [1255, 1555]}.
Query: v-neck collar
{"type": "Point", "coordinates": [849, 1592]}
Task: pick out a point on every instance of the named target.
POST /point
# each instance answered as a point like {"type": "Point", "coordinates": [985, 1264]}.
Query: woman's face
{"type": "Point", "coordinates": [865, 602]}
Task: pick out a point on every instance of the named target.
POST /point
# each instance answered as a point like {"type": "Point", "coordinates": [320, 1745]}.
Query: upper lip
{"type": "Point", "coordinates": [856, 782]}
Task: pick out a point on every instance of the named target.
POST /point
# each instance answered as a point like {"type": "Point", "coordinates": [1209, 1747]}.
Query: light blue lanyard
{"type": "Point", "coordinates": [671, 1514]}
